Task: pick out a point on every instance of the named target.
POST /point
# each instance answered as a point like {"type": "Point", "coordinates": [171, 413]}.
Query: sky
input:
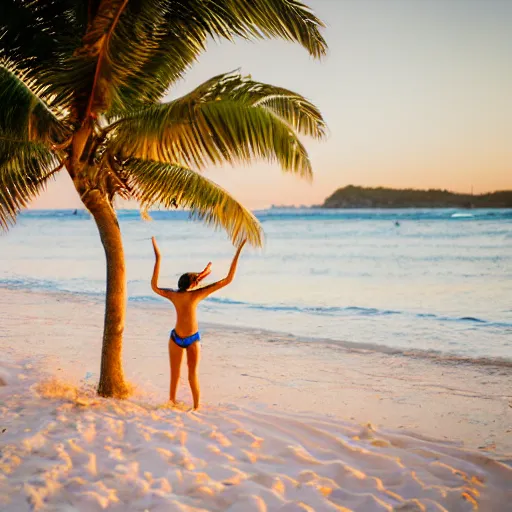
{"type": "Point", "coordinates": [416, 94]}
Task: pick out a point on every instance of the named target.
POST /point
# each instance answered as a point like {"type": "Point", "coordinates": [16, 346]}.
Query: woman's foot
{"type": "Point", "coordinates": [178, 404]}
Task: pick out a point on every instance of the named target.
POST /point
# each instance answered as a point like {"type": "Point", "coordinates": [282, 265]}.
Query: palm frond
{"type": "Point", "coordinates": [181, 31]}
{"type": "Point", "coordinates": [40, 36]}
{"type": "Point", "coordinates": [95, 50]}
{"type": "Point", "coordinates": [173, 43]}
{"type": "Point", "coordinates": [26, 109]}
{"type": "Point", "coordinates": [121, 38]}
{"type": "Point", "coordinates": [287, 19]}
{"type": "Point", "coordinates": [227, 119]}
{"type": "Point", "coordinates": [25, 168]}
{"type": "Point", "coordinates": [40, 32]}
{"type": "Point", "coordinates": [154, 183]}
{"type": "Point", "coordinates": [290, 106]}
{"type": "Point", "coordinates": [113, 55]}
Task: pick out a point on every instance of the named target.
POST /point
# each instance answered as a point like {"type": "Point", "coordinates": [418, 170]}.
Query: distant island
{"type": "Point", "coordinates": [362, 197]}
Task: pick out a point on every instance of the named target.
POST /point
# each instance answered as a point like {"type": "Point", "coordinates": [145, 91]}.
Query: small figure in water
{"type": "Point", "coordinates": [185, 335]}
{"type": "Point", "coordinates": [397, 223]}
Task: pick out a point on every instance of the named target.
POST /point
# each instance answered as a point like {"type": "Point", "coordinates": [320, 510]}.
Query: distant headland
{"type": "Point", "coordinates": [362, 197]}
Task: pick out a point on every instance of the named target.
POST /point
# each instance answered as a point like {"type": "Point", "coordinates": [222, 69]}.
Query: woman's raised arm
{"type": "Point", "coordinates": [207, 290]}
{"type": "Point", "coordinates": [156, 271]}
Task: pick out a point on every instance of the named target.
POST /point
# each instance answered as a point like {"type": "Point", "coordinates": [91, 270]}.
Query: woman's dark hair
{"type": "Point", "coordinates": [186, 280]}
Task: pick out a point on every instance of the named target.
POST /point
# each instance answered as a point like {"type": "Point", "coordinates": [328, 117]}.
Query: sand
{"type": "Point", "coordinates": [250, 447]}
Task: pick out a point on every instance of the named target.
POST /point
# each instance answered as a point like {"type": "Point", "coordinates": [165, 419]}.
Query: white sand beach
{"type": "Point", "coordinates": [285, 426]}
{"type": "Point", "coordinates": [330, 180]}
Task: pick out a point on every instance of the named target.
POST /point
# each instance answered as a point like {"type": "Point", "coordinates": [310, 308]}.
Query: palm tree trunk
{"type": "Point", "coordinates": [112, 383]}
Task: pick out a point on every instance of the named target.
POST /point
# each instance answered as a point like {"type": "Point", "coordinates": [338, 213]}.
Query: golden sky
{"type": "Point", "coordinates": [416, 94]}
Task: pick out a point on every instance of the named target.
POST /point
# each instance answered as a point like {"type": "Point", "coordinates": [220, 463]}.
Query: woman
{"type": "Point", "coordinates": [185, 335]}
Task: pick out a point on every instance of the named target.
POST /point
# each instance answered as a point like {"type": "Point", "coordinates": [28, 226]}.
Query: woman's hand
{"type": "Point", "coordinates": [205, 272]}
{"type": "Point", "coordinates": [241, 246]}
{"type": "Point", "coordinates": [155, 247]}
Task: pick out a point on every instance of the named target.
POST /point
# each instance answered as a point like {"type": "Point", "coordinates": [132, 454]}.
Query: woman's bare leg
{"type": "Point", "coordinates": [175, 357]}
{"type": "Point", "coordinates": [193, 356]}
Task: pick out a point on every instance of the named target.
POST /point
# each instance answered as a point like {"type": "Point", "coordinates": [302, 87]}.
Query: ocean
{"type": "Point", "coordinates": [433, 282]}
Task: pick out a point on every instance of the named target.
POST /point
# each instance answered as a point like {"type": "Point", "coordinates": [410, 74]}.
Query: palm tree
{"type": "Point", "coordinates": [81, 88]}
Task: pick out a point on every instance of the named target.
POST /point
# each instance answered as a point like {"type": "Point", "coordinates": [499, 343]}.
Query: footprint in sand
{"type": "Point", "coordinates": [177, 406]}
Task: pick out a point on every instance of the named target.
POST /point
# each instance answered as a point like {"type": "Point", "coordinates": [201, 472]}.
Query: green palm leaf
{"type": "Point", "coordinates": [113, 55]}
{"type": "Point", "coordinates": [40, 36]}
{"type": "Point", "coordinates": [227, 119]}
{"type": "Point", "coordinates": [180, 31]}
{"type": "Point", "coordinates": [287, 19]}
{"type": "Point", "coordinates": [164, 46]}
{"type": "Point", "coordinates": [154, 183]}
{"type": "Point", "coordinates": [297, 111]}
{"type": "Point", "coordinates": [119, 40]}
{"type": "Point", "coordinates": [25, 168]}
{"type": "Point", "coordinates": [27, 110]}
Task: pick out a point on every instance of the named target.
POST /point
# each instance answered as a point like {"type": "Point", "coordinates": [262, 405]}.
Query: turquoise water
{"type": "Point", "coordinates": [437, 281]}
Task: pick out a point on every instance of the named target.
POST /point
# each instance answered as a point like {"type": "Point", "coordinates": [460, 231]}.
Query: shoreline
{"type": "Point", "coordinates": [434, 356]}
{"type": "Point", "coordinates": [465, 403]}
